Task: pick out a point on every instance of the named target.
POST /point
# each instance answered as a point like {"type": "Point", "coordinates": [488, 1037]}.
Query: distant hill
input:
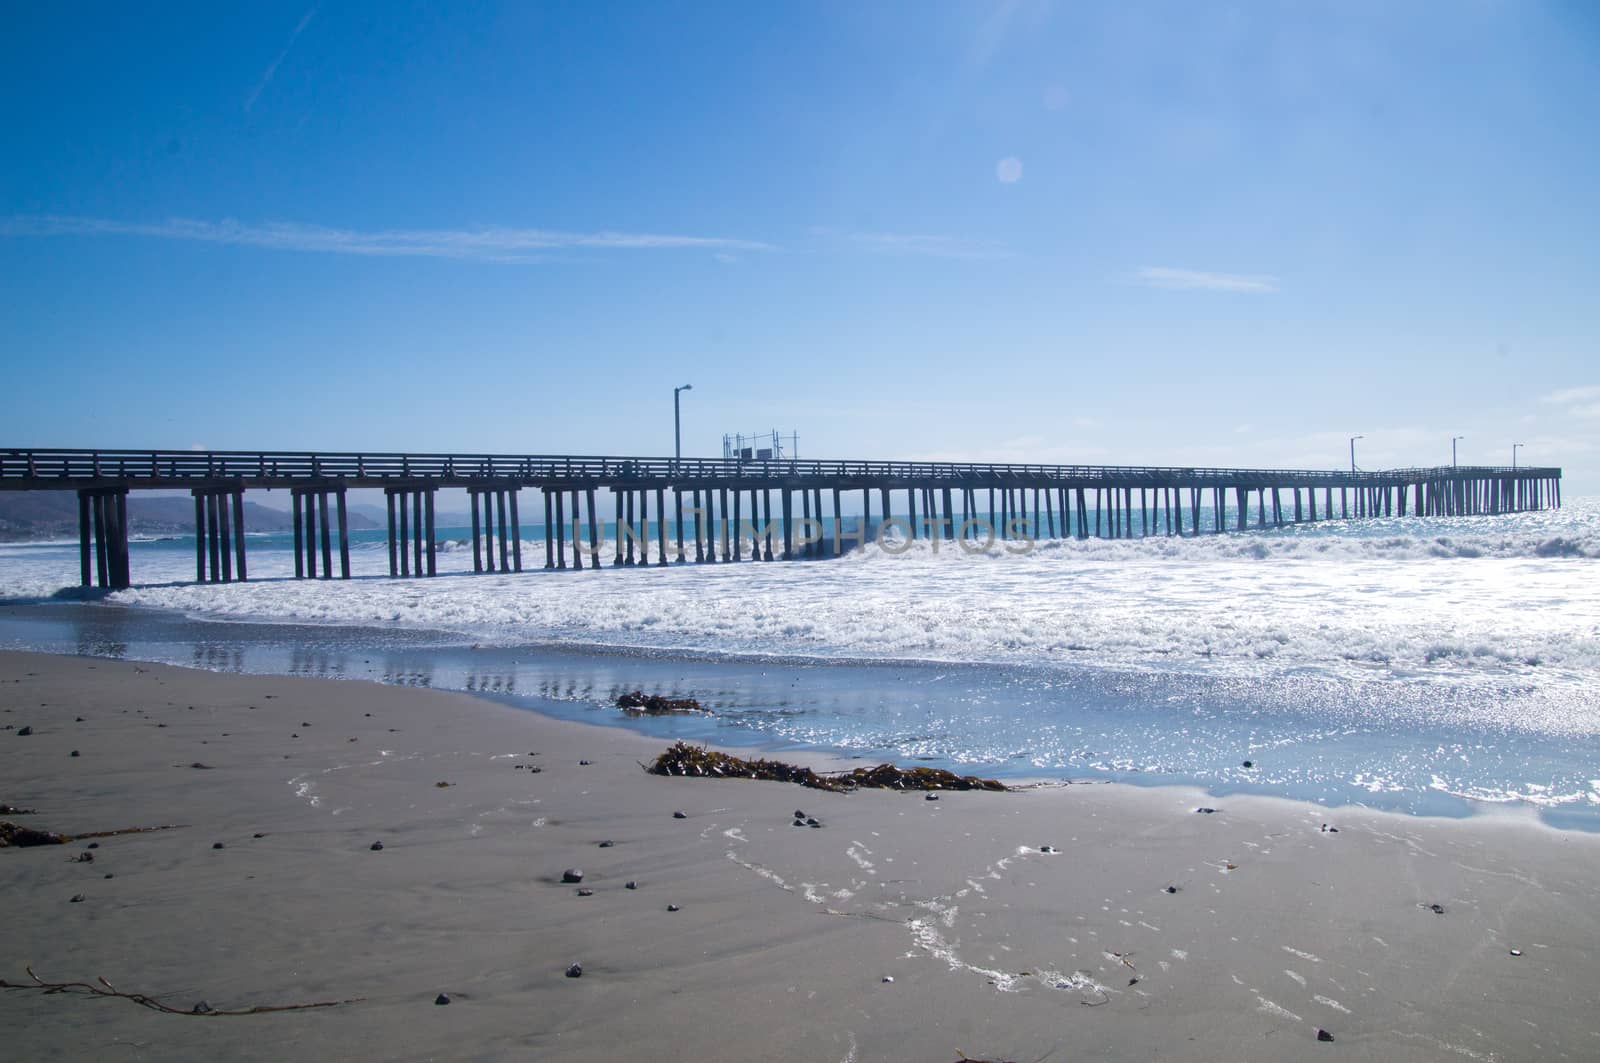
{"type": "Point", "coordinates": [28, 515]}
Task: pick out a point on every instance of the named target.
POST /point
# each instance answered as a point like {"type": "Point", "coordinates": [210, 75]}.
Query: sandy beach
{"type": "Point", "coordinates": [902, 929]}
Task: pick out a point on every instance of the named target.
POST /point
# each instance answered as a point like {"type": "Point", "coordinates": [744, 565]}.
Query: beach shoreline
{"type": "Point", "coordinates": [783, 938]}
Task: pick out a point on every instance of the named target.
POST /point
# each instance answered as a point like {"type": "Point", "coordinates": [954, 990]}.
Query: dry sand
{"type": "Point", "coordinates": [785, 938]}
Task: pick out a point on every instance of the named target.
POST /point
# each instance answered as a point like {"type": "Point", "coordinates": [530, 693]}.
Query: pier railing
{"type": "Point", "coordinates": [36, 469]}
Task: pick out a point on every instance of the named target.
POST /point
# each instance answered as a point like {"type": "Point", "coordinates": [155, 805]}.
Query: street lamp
{"type": "Point", "coordinates": [1353, 453]}
{"type": "Point", "coordinates": [1453, 449]}
{"type": "Point", "coordinates": [677, 430]}
{"type": "Point", "coordinates": [1514, 447]}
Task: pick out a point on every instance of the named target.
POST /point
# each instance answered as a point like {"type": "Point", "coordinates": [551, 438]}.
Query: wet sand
{"type": "Point", "coordinates": [785, 935]}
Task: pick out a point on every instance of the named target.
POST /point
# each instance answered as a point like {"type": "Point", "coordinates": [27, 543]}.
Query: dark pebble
{"type": "Point", "coordinates": [85, 858]}
{"type": "Point", "coordinates": [1323, 1035]}
{"type": "Point", "coordinates": [575, 971]}
{"type": "Point", "coordinates": [535, 770]}
{"type": "Point", "coordinates": [673, 908]}
{"type": "Point", "coordinates": [1249, 763]}
{"type": "Point", "coordinates": [92, 845]}
{"type": "Point", "coordinates": [1046, 849]}
{"type": "Point", "coordinates": [799, 823]}
{"type": "Point", "coordinates": [376, 847]}
{"type": "Point", "coordinates": [217, 845]}
{"type": "Point", "coordinates": [1516, 952]}
{"type": "Point", "coordinates": [1172, 889]}
{"type": "Point", "coordinates": [519, 767]}
{"type": "Point", "coordinates": [1207, 811]}
{"type": "Point", "coordinates": [1133, 981]}
{"type": "Point", "coordinates": [74, 753]}
{"type": "Point", "coordinates": [630, 885]}
{"type": "Point", "coordinates": [202, 767]}
{"type": "Point", "coordinates": [930, 797]}
{"type": "Point", "coordinates": [571, 875]}
{"type": "Point", "coordinates": [201, 1008]}
{"type": "Point", "coordinates": [814, 825]}
{"type": "Point", "coordinates": [799, 814]}
{"type": "Point", "coordinates": [305, 725]}
{"type": "Point", "coordinates": [78, 898]}
{"type": "Point", "coordinates": [78, 720]}
{"type": "Point", "coordinates": [442, 999]}
{"type": "Point", "coordinates": [24, 732]}
{"type": "Point", "coordinates": [258, 835]}
{"type": "Point", "coordinates": [110, 875]}
{"type": "Point", "coordinates": [585, 763]}
{"type": "Point", "coordinates": [675, 815]}
{"type": "Point", "coordinates": [1436, 909]}
{"type": "Point", "coordinates": [585, 891]}
{"type": "Point", "coordinates": [608, 843]}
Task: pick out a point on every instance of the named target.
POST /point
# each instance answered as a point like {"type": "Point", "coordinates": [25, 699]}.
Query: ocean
{"type": "Point", "coordinates": [1442, 666]}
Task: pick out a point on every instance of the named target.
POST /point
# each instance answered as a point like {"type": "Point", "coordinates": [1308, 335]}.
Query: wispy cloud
{"type": "Point", "coordinates": [917, 244]}
{"type": "Point", "coordinates": [1200, 280]}
{"type": "Point", "coordinates": [503, 245]}
{"type": "Point", "coordinates": [272, 68]}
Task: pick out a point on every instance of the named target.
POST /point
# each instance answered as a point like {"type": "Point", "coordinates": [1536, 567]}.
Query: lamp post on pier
{"type": "Point", "coordinates": [1514, 447]}
{"type": "Point", "coordinates": [677, 429]}
{"type": "Point", "coordinates": [1453, 449]}
{"type": "Point", "coordinates": [1353, 453]}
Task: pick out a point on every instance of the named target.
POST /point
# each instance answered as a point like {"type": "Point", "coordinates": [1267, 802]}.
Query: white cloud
{"type": "Point", "coordinates": [272, 68]}
{"type": "Point", "coordinates": [1570, 396]}
{"type": "Point", "coordinates": [1009, 170]}
{"type": "Point", "coordinates": [506, 245]}
{"type": "Point", "coordinates": [919, 244]}
{"type": "Point", "coordinates": [1199, 280]}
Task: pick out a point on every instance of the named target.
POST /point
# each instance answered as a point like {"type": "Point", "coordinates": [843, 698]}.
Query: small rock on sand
{"type": "Point", "coordinates": [585, 891]}
{"type": "Point", "coordinates": [673, 908]}
{"type": "Point", "coordinates": [930, 797]}
{"type": "Point", "coordinates": [376, 847]}
{"type": "Point", "coordinates": [680, 815]}
{"type": "Point", "coordinates": [442, 999]}
{"type": "Point", "coordinates": [571, 875]}
{"type": "Point", "coordinates": [1323, 1035]}
{"type": "Point", "coordinates": [575, 971]}
{"type": "Point", "coordinates": [218, 845]}
{"type": "Point", "coordinates": [78, 898]}
{"type": "Point", "coordinates": [1205, 811]}
{"type": "Point", "coordinates": [1516, 952]}
{"type": "Point", "coordinates": [630, 885]}
{"type": "Point", "coordinates": [24, 732]}
{"type": "Point", "coordinates": [608, 843]}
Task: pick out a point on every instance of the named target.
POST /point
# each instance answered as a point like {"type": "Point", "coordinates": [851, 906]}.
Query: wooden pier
{"type": "Point", "coordinates": [730, 513]}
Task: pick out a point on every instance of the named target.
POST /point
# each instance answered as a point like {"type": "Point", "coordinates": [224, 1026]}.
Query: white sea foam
{"type": "Point", "coordinates": [1464, 597]}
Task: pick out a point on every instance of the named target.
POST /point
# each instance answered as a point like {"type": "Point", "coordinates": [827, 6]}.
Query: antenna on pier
{"type": "Point", "coordinates": [771, 445]}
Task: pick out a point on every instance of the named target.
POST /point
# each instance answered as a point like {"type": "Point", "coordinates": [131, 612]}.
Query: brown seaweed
{"type": "Point", "coordinates": [638, 703]}
{"type": "Point", "coordinates": [699, 762]}
{"type": "Point", "coordinates": [12, 834]}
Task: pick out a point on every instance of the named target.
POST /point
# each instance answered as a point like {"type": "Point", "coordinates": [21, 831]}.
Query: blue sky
{"type": "Point", "coordinates": [1016, 230]}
